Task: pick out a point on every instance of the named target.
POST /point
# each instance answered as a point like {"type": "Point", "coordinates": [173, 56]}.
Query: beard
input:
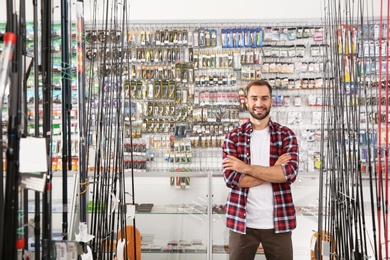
{"type": "Point", "coordinates": [259, 117]}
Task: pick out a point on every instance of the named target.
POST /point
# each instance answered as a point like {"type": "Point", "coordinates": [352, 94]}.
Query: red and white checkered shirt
{"type": "Point", "coordinates": [237, 143]}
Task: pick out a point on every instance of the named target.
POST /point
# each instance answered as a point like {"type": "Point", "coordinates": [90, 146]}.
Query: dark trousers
{"type": "Point", "coordinates": [277, 246]}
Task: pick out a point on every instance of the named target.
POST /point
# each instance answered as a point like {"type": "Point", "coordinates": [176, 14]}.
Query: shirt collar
{"type": "Point", "coordinates": [249, 129]}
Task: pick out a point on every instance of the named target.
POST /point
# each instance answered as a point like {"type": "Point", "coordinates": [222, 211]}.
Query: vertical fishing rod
{"type": "Point", "coordinates": [122, 217]}
{"type": "Point", "coordinates": [37, 213]}
{"type": "Point", "coordinates": [66, 109]}
{"type": "Point", "coordinates": [22, 230]}
{"type": "Point", "coordinates": [11, 203]}
{"type": "Point", "coordinates": [360, 221]}
{"type": "Point", "coordinates": [9, 225]}
{"type": "Point", "coordinates": [324, 163]}
{"type": "Point", "coordinates": [379, 131]}
{"type": "Point", "coordinates": [135, 256]}
{"type": "Point", "coordinates": [47, 113]}
{"type": "Point", "coordinates": [386, 147]}
{"type": "Point", "coordinates": [93, 110]}
{"type": "Point", "coordinates": [359, 239]}
{"type": "Point", "coordinates": [81, 99]}
{"type": "Point", "coordinates": [357, 209]}
{"type": "Point", "coordinates": [370, 131]}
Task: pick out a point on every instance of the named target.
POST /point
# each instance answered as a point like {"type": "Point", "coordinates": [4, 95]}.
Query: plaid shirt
{"type": "Point", "coordinates": [237, 143]}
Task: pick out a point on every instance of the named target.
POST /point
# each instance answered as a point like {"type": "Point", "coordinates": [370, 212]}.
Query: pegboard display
{"type": "Point", "coordinates": [184, 86]}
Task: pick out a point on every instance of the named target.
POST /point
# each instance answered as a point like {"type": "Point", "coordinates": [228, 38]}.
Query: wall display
{"type": "Point", "coordinates": [183, 90]}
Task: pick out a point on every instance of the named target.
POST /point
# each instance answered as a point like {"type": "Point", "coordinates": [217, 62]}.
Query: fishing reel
{"type": "Point", "coordinates": [105, 70]}
{"type": "Point", "coordinates": [91, 53]}
{"type": "Point", "coordinates": [115, 36]}
{"type": "Point", "coordinates": [91, 37]}
{"type": "Point", "coordinates": [102, 36]}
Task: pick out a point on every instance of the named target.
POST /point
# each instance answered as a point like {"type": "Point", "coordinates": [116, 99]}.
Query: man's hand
{"type": "Point", "coordinates": [233, 164]}
{"type": "Point", "coordinates": [284, 158]}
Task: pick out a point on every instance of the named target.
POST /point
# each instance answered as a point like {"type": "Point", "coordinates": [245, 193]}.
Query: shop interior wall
{"type": "Point", "coordinates": [179, 10]}
{"type": "Point", "coordinates": [278, 11]}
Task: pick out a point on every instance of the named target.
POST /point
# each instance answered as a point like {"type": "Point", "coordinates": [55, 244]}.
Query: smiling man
{"type": "Point", "coordinates": [260, 161]}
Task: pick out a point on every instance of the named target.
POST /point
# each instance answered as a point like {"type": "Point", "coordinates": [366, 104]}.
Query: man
{"type": "Point", "coordinates": [260, 163]}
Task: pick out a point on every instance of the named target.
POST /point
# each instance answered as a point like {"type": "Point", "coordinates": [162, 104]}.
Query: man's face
{"type": "Point", "coordinates": [259, 102]}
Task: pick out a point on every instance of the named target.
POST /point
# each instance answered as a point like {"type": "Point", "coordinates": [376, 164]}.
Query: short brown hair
{"type": "Point", "coordinates": [260, 82]}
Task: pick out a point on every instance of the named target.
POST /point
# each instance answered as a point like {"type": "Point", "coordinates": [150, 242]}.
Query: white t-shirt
{"type": "Point", "coordinates": [260, 204]}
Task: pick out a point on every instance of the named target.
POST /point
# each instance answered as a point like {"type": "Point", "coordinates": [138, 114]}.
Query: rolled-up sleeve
{"type": "Point", "coordinates": [290, 146]}
{"type": "Point", "coordinates": [232, 178]}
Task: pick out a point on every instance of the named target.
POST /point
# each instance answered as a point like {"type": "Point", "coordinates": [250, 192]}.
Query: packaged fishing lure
{"type": "Point", "coordinates": [190, 70]}
{"type": "Point", "coordinates": [196, 60]}
{"type": "Point", "coordinates": [190, 38]}
{"type": "Point", "coordinates": [299, 33]}
{"type": "Point", "coordinates": [177, 56]}
{"type": "Point", "coordinates": [184, 37]}
{"type": "Point", "coordinates": [194, 36]}
{"type": "Point", "coordinates": [143, 38]}
{"type": "Point", "coordinates": [212, 60]}
{"type": "Point", "coordinates": [207, 38]}
{"type": "Point", "coordinates": [165, 105]}
{"type": "Point", "coordinates": [241, 37]}
{"type": "Point", "coordinates": [229, 38]}
{"type": "Point", "coordinates": [267, 34]}
{"type": "Point", "coordinates": [234, 43]}
{"type": "Point", "coordinates": [166, 37]}
{"type": "Point", "coordinates": [201, 38]}
{"type": "Point", "coordinates": [230, 59]}
{"type": "Point", "coordinates": [238, 59]}
{"type": "Point", "coordinates": [169, 55]}
{"type": "Point", "coordinates": [213, 35]}
{"type": "Point", "coordinates": [300, 50]}
{"type": "Point", "coordinates": [291, 33]}
{"type": "Point", "coordinates": [224, 40]}
{"type": "Point", "coordinates": [258, 37]}
{"type": "Point", "coordinates": [157, 90]}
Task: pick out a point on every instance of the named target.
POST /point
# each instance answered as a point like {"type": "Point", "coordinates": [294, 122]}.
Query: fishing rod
{"type": "Point", "coordinates": [46, 65]}
{"type": "Point", "coordinates": [369, 133]}
{"type": "Point", "coordinates": [66, 109]}
{"type": "Point", "coordinates": [360, 212]}
{"type": "Point", "coordinates": [94, 123]}
{"type": "Point", "coordinates": [386, 227]}
{"type": "Point", "coordinates": [8, 247]}
{"type": "Point", "coordinates": [136, 240]}
{"type": "Point", "coordinates": [386, 217]}
{"type": "Point", "coordinates": [122, 217]}
{"type": "Point", "coordinates": [11, 204]}
{"type": "Point", "coordinates": [37, 208]}
{"type": "Point", "coordinates": [83, 174]}
{"type": "Point", "coordinates": [359, 246]}
{"type": "Point", "coordinates": [379, 146]}
{"type": "Point", "coordinates": [23, 202]}
{"type": "Point", "coordinates": [6, 59]}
